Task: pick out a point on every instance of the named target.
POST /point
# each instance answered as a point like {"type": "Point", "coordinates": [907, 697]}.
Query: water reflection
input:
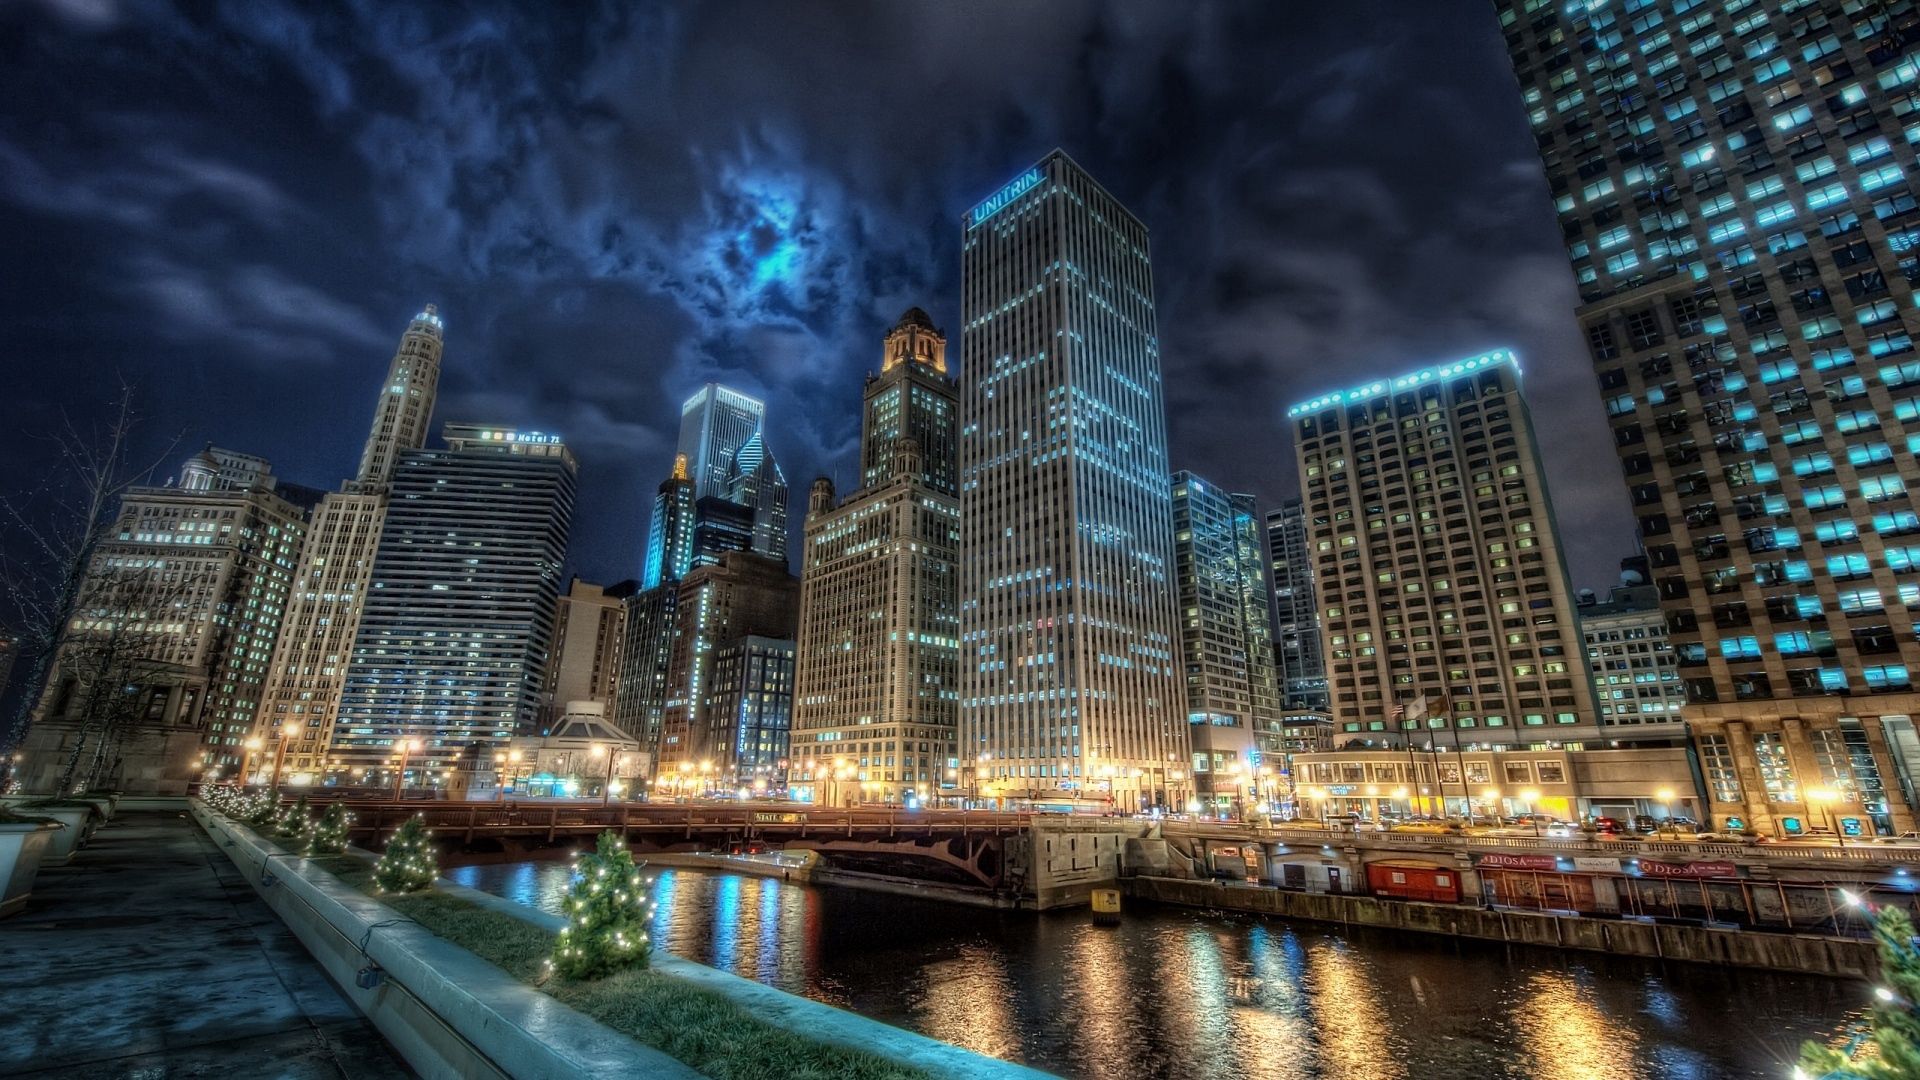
{"type": "Point", "coordinates": [1183, 994]}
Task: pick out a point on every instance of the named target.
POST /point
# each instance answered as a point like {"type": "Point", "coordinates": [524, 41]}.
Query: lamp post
{"type": "Point", "coordinates": [407, 748]}
{"type": "Point", "coordinates": [1527, 798]}
{"type": "Point", "coordinates": [1665, 795]}
{"type": "Point", "coordinates": [1403, 793]}
{"type": "Point", "coordinates": [613, 756]}
{"type": "Point", "coordinates": [280, 755]}
{"type": "Point", "coordinates": [1825, 797]}
{"type": "Point", "coordinates": [1491, 797]}
{"type": "Point", "coordinates": [246, 758]}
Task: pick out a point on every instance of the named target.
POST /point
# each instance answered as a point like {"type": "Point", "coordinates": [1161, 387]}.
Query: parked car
{"type": "Point", "coordinates": [1607, 825]}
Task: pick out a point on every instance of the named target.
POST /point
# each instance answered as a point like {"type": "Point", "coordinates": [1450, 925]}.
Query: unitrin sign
{"type": "Point", "coordinates": [1021, 184]}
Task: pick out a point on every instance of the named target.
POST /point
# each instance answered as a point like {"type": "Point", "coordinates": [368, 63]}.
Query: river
{"type": "Point", "coordinates": [1189, 994]}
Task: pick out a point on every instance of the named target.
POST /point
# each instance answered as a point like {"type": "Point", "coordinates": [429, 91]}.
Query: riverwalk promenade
{"type": "Point", "coordinates": [148, 955]}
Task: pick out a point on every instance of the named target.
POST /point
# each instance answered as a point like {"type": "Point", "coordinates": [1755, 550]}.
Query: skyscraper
{"type": "Point", "coordinates": [589, 628]}
{"type": "Point", "coordinates": [670, 533]}
{"type": "Point", "coordinates": [182, 602]}
{"type": "Point", "coordinates": [732, 650]}
{"type": "Point", "coordinates": [304, 681]}
{"type": "Point", "coordinates": [454, 637]}
{"type": "Point", "coordinates": [1733, 183]}
{"type": "Point", "coordinates": [877, 693]}
{"type": "Point", "coordinates": [1296, 612]}
{"type": "Point", "coordinates": [1070, 681]}
{"type": "Point", "coordinates": [722, 439]}
{"type": "Point", "coordinates": [1438, 563]}
{"type": "Point", "coordinates": [1233, 692]}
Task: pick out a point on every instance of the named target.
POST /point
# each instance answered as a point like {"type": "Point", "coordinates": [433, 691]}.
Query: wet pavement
{"type": "Point", "coordinates": [148, 956]}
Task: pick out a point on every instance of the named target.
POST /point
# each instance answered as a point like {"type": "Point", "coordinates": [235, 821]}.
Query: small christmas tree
{"type": "Point", "coordinates": [1895, 1033]}
{"type": "Point", "coordinates": [262, 810]}
{"type": "Point", "coordinates": [408, 864]}
{"type": "Point", "coordinates": [607, 912]}
{"type": "Point", "coordinates": [297, 820]}
{"type": "Point", "coordinates": [329, 837]}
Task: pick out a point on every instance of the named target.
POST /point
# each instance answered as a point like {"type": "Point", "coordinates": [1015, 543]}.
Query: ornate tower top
{"type": "Point", "coordinates": [679, 466]}
{"type": "Point", "coordinates": [915, 339]}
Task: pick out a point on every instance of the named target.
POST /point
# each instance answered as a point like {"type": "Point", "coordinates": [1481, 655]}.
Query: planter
{"type": "Point", "coordinates": [77, 820]}
{"type": "Point", "coordinates": [22, 846]}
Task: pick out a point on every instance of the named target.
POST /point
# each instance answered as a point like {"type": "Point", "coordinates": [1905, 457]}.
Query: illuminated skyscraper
{"type": "Point", "coordinates": [1296, 614]}
{"type": "Point", "coordinates": [1233, 692]}
{"type": "Point", "coordinates": [670, 534]}
{"type": "Point", "coordinates": [309, 666]}
{"type": "Point", "coordinates": [1069, 667]}
{"type": "Point", "coordinates": [722, 439]}
{"type": "Point", "coordinates": [1735, 186]}
{"type": "Point", "coordinates": [454, 637]}
{"type": "Point", "coordinates": [878, 688]}
{"type": "Point", "coordinates": [1438, 564]}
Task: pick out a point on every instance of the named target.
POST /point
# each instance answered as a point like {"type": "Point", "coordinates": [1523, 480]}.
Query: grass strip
{"type": "Point", "coordinates": [689, 1024]}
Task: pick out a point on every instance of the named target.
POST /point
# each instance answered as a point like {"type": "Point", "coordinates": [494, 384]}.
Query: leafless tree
{"type": "Point", "coordinates": [51, 531]}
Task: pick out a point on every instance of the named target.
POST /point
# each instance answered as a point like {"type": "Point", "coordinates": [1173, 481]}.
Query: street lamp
{"type": "Point", "coordinates": [1665, 795]}
{"type": "Point", "coordinates": [1528, 797]}
{"type": "Point", "coordinates": [1491, 797]}
{"type": "Point", "coordinates": [1825, 797]}
{"type": "Point", "coordinates": [407, 747]}
{"type": "Point", "coordinates": [280, 755]}
{"type": "Point", "coordinates": [246, 757]}
{"type": "Point", "coordinates": [613, 756]}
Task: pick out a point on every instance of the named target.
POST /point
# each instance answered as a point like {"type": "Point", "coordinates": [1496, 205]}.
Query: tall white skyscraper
{"type": "Point", "coordinates": [1070, 674]}
{"type": "Point", "coordinates": [722, 440]}
{"type": "Point", "coordinates": [309, 666]}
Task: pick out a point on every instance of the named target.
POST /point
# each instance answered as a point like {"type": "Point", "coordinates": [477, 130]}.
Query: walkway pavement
{"type": "Point", "coordinates": [147, 956]}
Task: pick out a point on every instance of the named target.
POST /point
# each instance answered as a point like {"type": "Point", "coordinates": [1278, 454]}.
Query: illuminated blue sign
{"type": "Point", "coordinates": [1407, 382]}
{"type": "Point", "coordinates": [1022, 184]}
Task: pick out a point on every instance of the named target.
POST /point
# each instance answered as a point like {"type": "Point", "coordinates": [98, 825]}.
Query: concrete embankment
{"type": "Point", "coordinates": [449, 1013]}
{"type": "Point", "coordinates": [1804, 953]}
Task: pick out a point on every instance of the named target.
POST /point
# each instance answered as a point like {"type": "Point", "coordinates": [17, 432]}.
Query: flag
{"type": "Point", "coordinates": [1415, 709]}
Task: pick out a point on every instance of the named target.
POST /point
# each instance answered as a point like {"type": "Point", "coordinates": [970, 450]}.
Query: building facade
{"type": "Point", "coordinates": [1733, 185]}
{"type": "Point", "coordinates": [1438, 563]}
{"type": "Point", "coordinates": [877, 692]}
{"type": "Point", "coordinates": [723, 440]}
{"type": "Point", "coordinates": [308, 672]}
{"type": "Point", "coordinates": [589, 629]}
{"type": "Point", "coordinates": [719, 607]}
{"type": "Point", "coordinates": [1296, 613]}
{"type": "Point", "coordinates": [1634, 669]}
{"type": "Point", "coordinates": [1070, 678]}
{"type": "Point", "coordinates": [454, 637]}
{"type": "Point", "coordinates": [1233, 691]}
{"type": "Point", "coordinates": [161, 673]}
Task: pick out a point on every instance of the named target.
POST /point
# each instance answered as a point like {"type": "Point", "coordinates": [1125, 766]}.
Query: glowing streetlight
{"type": "Point", "coordinates": [1825, 797]}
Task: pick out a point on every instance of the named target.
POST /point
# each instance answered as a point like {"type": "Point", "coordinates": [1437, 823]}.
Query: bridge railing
{"type": "Point", "coordinates": [1850, 854]}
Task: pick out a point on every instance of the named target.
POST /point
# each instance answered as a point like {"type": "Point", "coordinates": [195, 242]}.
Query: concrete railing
{"type": "Point", "coordinates": [510, 1028]}
{"type": "Point", "coordinates": [445, 1010]}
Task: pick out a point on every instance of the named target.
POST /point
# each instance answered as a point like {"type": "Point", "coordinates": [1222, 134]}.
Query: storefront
{"type": "Point", "coordinates": [1547, 882]}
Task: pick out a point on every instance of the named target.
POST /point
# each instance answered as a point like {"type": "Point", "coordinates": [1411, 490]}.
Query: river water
{"type": "Point", "coordinates": [1191, 994]}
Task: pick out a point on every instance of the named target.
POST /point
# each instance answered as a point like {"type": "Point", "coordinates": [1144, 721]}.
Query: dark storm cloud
{"type": "Point", "coordinates": [240, 204]}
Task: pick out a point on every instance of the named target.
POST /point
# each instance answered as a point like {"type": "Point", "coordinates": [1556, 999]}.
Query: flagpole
{"type": "Point", "coordinates": [1413, 770]}
{"type": "Point", "coordinates": [1459, 759]}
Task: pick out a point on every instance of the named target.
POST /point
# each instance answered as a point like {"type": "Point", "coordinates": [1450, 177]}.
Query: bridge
{"type": "Point", "coordinates": [967, 849]}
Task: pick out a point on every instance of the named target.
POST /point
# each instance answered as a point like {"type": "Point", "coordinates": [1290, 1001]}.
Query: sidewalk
{"type": "Point", "coordinates": [148, 956]}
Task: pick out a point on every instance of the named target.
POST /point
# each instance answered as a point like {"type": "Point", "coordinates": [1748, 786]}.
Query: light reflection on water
{"type": "Point", "coordinates": [1173, 993]}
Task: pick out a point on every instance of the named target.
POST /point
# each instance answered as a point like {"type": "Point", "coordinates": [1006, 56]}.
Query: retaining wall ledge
{"type": "Point", "coordinates": [446, 1011]}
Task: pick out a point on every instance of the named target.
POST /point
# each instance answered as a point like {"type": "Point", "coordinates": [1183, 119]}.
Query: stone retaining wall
{"type": "Point", "coordinates": [1805, 953]}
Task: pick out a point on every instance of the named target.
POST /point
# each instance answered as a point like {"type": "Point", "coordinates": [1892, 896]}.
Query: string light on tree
{"type": "Point", "coordinates": [329, 837]}
{"type": "Point", "coordinates": [408, 864]}
{"type": "Point", "coordinates": [297, 821]}
{"type": "Point", "coordinates": [1894, 1033]}
{"type": "Point", "coordinates": [608, 909]}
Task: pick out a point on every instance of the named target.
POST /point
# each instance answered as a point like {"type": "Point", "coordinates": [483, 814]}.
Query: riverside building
{"type": "Point", "coordinates": [1735, 186]}
{"type": "Point", "coordinates": [1446, 602]}
{"type": "Point", "coordinates": [454, 638]}
{"type": "Point", "coordinates": [308, 672]}
{"type": "Point", "coordinates": [1069, 637]}
{"type": "Point", "coordinates": [877, 694]}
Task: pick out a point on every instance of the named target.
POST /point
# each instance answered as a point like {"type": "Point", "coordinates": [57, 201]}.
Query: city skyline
{"type": "Point", "coordinates": [596, 347]}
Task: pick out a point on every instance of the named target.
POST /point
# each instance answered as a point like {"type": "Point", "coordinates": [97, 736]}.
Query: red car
{"type": "Point", "coordinates": [1609, 825]}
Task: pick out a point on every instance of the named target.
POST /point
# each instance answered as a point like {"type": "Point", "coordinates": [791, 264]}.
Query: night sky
{"type": "Point", "coordinates": [237, 206]}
